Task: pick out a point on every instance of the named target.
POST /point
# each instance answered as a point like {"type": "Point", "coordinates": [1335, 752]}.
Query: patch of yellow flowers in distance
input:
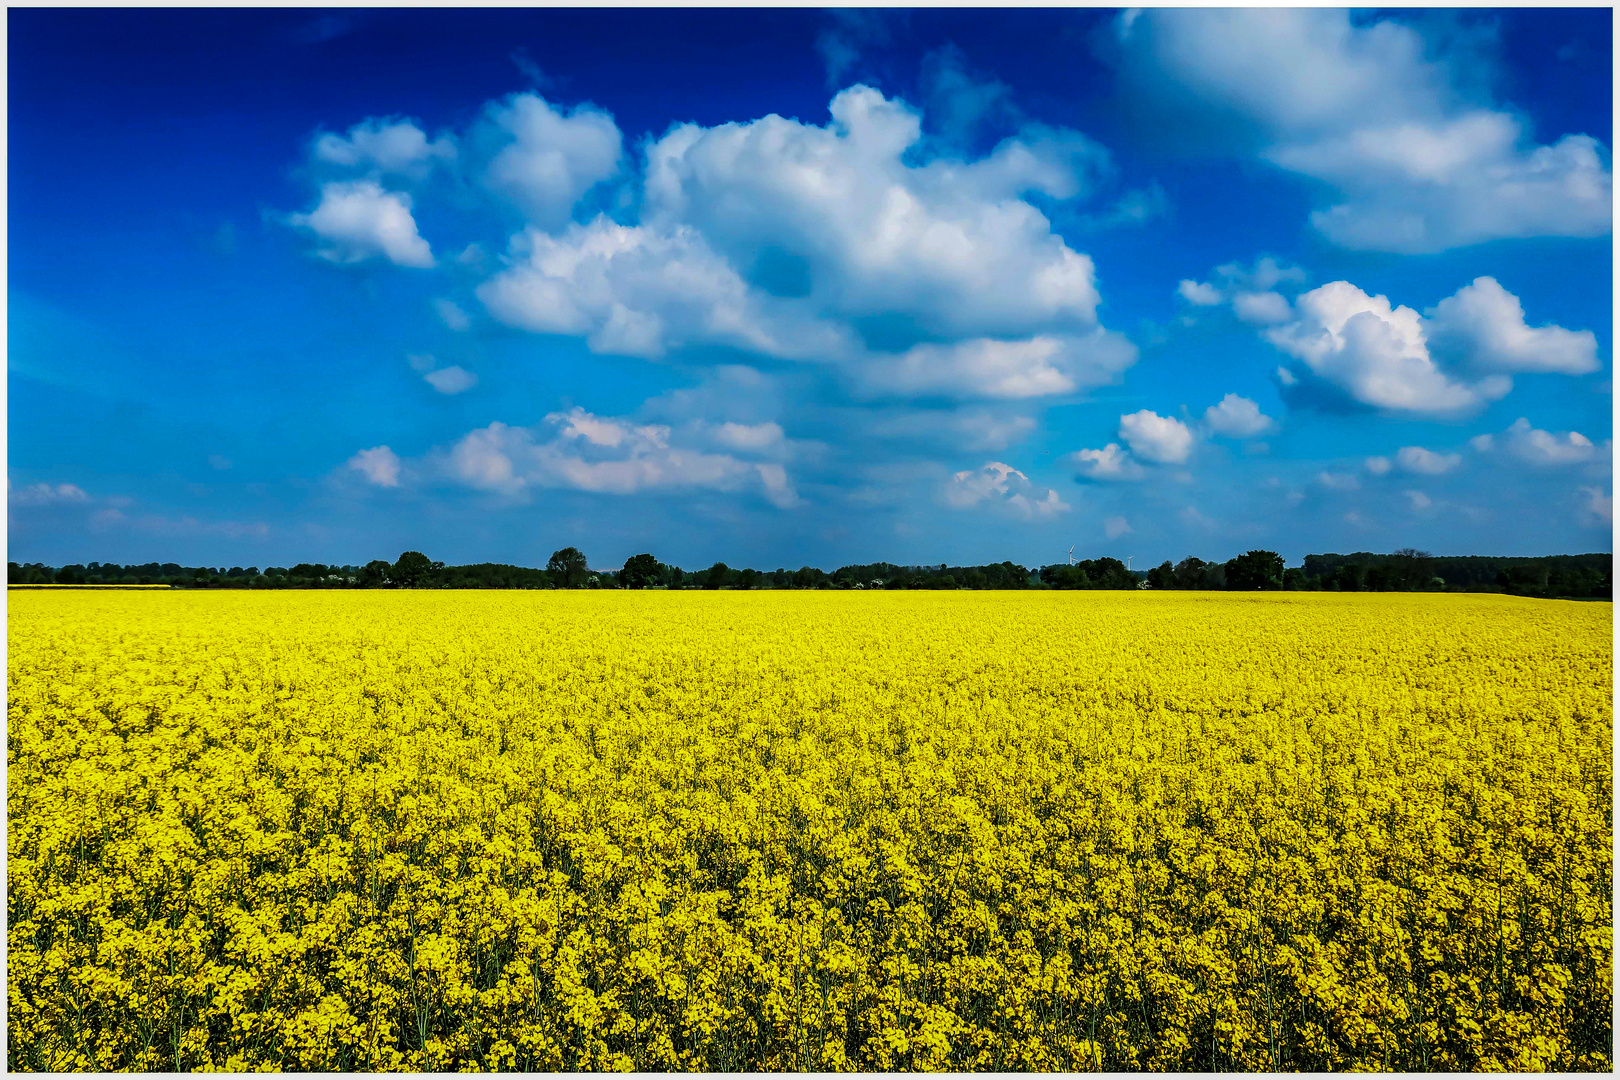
{"type": "Point", "coordinates": [795, 830]}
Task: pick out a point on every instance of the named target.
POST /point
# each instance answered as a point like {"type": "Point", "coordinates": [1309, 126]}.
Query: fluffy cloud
{"type": "Point", "coordinates": [991, 368]}
{"type": "Point", "coordinates": [614, 455]}
{"type": "Point", "coordinates": [1116, 527]}
{"type": "Point", "coordinates": [1109, 463]}
{"type": "Point", "coordinates": [904, 266]}
{"type": "Point", "coordinates": [831, 244]}
{"type": "Point", "coordinates": [836, 216]}
{"type": "Point", "coordinates": [358, 220]}
{"type": "Point", "coordinates": [763, 438]}
{"type": "Point", "coordinates": [451, 380]}
{"type": "Point", "coordinates": [1261, 309]}
{"type": "Point", "coordinates": [1482, 328]}
{"type": "Point", "coordinates": [636, 291]}
{"type": "Point", "coordinates": [1163, 440]}
{"type": "Point", "coordinates": [1237, 417]}
{"type": "Point", "coordinates": [1543, 448]}
{"type": "Point", "coordinates": [1198, 293]}
{"type": "Point", "coordinates": [384, 147]}
{"type": "Point", "coordinates": [1379, 466]}
{"type": "Point", "coordinates": [1374, 113]}
{"type": "Point", "coordinates": [1459, 356]}
{"type": "Point", "coordinates": [1416, 459]}
{"type": "Point", "coordinates": [544, 160]}
{"type": "Point", "coordinates": [995, 483]}
{"type": "Point", "coordinates": [379, 465]}
{"type": "Point", "coordinates": [1419, 188]}
{"type": "Point", "coordinates": [448, 380]}
{"type": "Point", "coordinates": [1375, 354]}
{"type": "Point", "coordinates": [1251, 291]}
{"type": "Point", "coordinates": [1038, 509]}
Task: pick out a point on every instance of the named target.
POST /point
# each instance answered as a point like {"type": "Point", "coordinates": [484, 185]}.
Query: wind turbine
{"type": "Point", "coordinates": [1071, 554]}
{"type": "Point", "coordinates": [1128, 559]}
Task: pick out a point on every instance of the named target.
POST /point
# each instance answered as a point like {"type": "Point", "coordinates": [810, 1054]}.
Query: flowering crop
{"type": "Point", "coordinates": [437, 831]}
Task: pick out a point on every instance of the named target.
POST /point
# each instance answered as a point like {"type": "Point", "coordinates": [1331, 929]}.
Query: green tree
{"type": "Point", "coordinates": [1162, 576]}
{"type": "Point", "coordinates": [639, 572]}
{"type": "Point", "coordinates": [1414, 568]}
{"type": "Point", "coordinates": [1190, 573]}
{"type": "Point", "coordinates": [567, 567]}
{"type": "Point", "coordinates": [411, 569]}
{"type": "Point", "coordinates": [1062, 576]}
{"type": "Point", "coordinates": [718, 574]}
{"type": "Point", "coordinates": [375, 574]}
{"type": "Point", "coordinates": [808, 577]}
{"type": "Point", "coordinates": [1255, 570]}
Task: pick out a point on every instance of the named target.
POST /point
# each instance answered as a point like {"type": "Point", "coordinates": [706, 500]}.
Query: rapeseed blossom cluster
{"type": "Point", "coordinates": [1057, 831]}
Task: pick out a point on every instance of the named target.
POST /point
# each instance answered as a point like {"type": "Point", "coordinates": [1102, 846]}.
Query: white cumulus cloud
{"type": "Point", "coordinates": [764, 438]}
{"type": "Point", "coordinates": [1424, 462]}
{"type": "Point", "coordinates": [1482, 327]}
{"type": "Point", "coordinates": [451, 380]}
{"type": "Point", "coordinates": [1537, 447]}
{"type": "Point", "coordinates": [1110, 463]}
{"type": "Point", "coordinates": [997, 369]}
{"type": "Point", "coordinates": [379, 465]}
{"type": "Point", "coordinates": [1198, 293]}
{"type": "Point", "coordinates": [837, 216]}
{"type": "Point", "coordinates": [543, 159]}
{"type": "Point", "coordinates": [637, 291]}
{"type": "Point", "coordinates": [1238, 418]}
{"type": "Point", "coordinates": [1261, 308]}
{"type": "Point", "coordinates": [1375, 353]}
{"type": "Point", "coordinates": [1001, 485]}
{"type": "Point", "coordinates": [1460, 356]}
{"type": "Point", "coordinates": [1163, 440]}
{"type": "Point", "coordinates": [909, 265]}
{"type": "Point", "coordinates": [1250, 290]}
{"type": "Point", "coordinates": [1413, 159]}
{"type": "Point", "coordinates": [358, 220]}
{"type": "Point", "coordinates": [613, 455]}
{"type": "Point", "coordinates": [384, 147]}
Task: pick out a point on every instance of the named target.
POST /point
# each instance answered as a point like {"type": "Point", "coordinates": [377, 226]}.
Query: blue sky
{"type": "Point", "coordinates": [790, 287]}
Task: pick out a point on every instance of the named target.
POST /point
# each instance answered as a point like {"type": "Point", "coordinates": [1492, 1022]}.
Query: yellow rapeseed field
{"type": "Point", "coordinates": [441, 831]}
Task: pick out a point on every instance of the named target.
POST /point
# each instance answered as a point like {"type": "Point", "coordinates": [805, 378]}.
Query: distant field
{"type": "Point", "coordinates": [802, 830]}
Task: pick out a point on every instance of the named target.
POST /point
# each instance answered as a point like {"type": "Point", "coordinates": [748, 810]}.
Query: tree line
{"type": "Point", "coordinates": [1408, 570]}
